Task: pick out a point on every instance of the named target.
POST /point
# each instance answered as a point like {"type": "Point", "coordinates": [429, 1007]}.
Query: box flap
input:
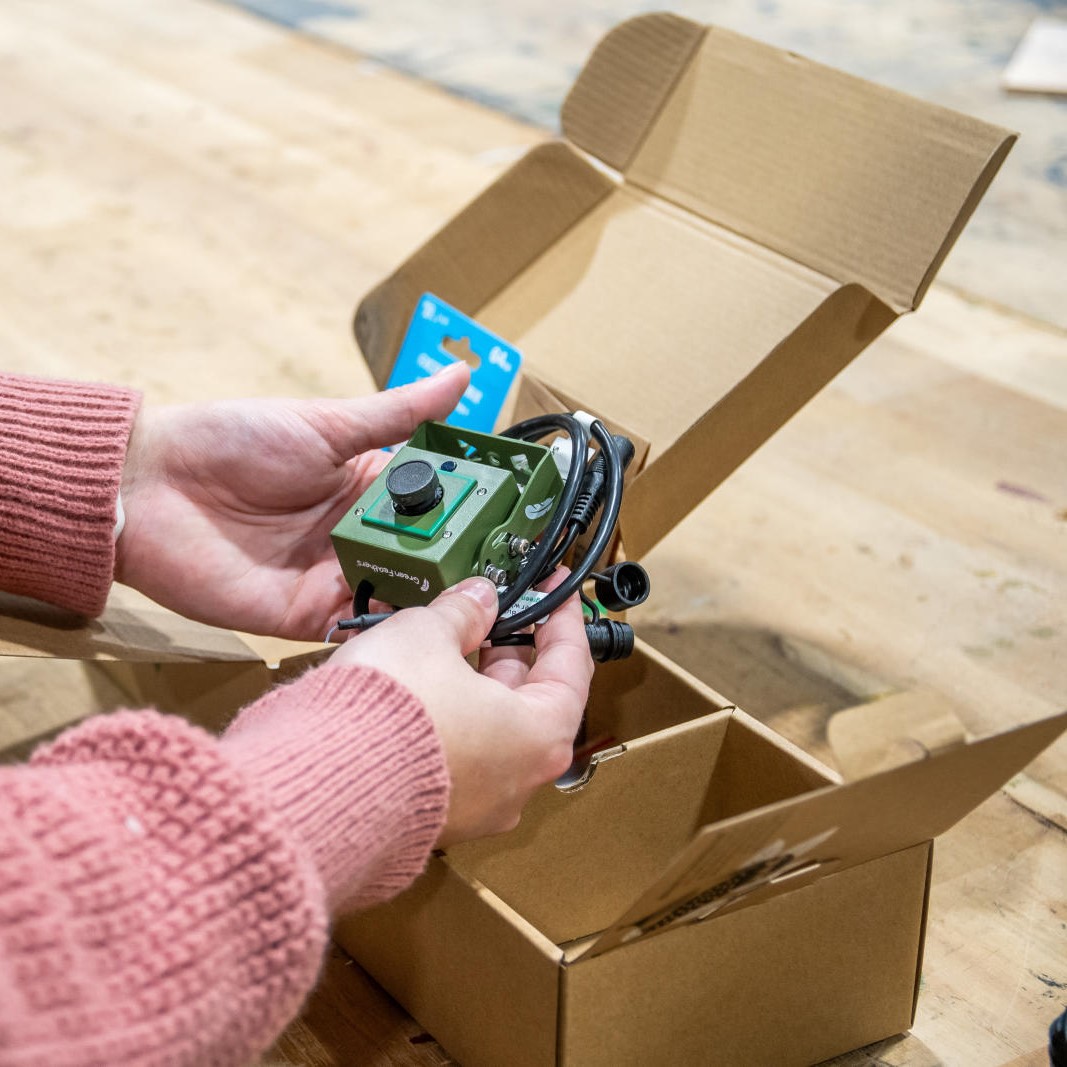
{"type": "Point", "coordinates": [795, 842]}
{"type": "Point", "coordinates": [474, 973]}
{"type": "Point", "coordinates": [131, 628]}
{"type": "Point", "coordinates": [579, 857]}
{"type": "Point", "coordinates": [861, 183]}
{"type": "Point", "coordinates": [773, 218]}
{"type": "Point", "coordinates": [625, 83]}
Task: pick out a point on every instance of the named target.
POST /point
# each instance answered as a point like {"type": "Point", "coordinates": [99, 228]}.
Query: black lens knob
{"type": "Point", "coordinates": [413, 487]}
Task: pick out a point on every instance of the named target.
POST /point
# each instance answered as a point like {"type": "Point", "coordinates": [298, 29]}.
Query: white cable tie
{"type": "Point", "coordinates": [586, 420]}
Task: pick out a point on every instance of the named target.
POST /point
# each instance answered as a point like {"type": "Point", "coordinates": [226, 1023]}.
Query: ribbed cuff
{"type": "Point", "coordinates": [152, 908]}
{"type": "Point", "coordinates": [64, 447]}
{"type": "Point", "coordinates": [353, 764]}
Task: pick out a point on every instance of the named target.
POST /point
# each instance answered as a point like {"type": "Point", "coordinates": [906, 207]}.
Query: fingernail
{"type": "Point", "coordinates": [480, 589]}
{"type": "Point", "coordinates": [448, 368]}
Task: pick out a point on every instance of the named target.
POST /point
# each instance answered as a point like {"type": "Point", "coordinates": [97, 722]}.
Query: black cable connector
{"type": "Point", "coordinates": [1057, 1041]}
{"type": "Point", "coordinates": [591, 494]}
{"type": "Point", "coordinates": [364, 621]}
{"type": "Point", "coordinates": [609, 639]}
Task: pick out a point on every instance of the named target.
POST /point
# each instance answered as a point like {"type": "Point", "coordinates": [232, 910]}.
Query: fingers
{"type": "Point", "coordinates": [564, 668]}
{"type": "Point", "coordinates": [469, 610]}
{"type": "Point", "coordinates": [388, 417]}
{"type": "Point", "coordinates": [507, 664]}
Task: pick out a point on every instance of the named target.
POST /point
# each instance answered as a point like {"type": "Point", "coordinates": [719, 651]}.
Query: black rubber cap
{"type": "Point", "coordinates": [413, 487]}
{"type": "Point", "coordinates": [623, 585]}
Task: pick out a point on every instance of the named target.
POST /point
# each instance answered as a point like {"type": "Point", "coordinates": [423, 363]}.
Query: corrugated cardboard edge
{"type": "Point", "coordinates": [989, 172]}
{"type": "Point", "coordinates": [923, 927]}
{"type": "Point", "coordinates": [624, 83]}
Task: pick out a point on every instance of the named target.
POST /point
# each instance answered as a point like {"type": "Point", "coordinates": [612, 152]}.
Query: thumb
{"type": "Point", "coordinates": [469, 609]}
{"type": "Point", "coordinates": [390, 416]}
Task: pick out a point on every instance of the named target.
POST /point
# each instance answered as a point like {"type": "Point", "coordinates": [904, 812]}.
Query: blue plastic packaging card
{"type": "Point", "coordinates": [439, 335]}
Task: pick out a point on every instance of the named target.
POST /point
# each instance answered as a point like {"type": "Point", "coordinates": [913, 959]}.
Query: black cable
{"type": "Point", "coordinates": [581, 490]}
{"type": "Point", "coordinates": [570, 535]}
{"type": "Point", "coordinates": [364, 621]}
{"type": "Point", "coordinates": [531, 430]}
{"type": "Point", "coordinates": [605, 528]}
{"type": "Point", "coordinates": [361, 598]}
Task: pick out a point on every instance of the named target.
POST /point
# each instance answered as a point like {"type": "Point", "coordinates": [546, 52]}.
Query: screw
{"type": "Point", "coordinates": [497, 575]}
{"type": "Point", "coordinates": [358, 512]}
{"type": "Point", "coordinates": [518, 546]}
{"type": "Point", "coordinates": [445, 534]}
{"type": "Point", "coordinates": [482, 491]}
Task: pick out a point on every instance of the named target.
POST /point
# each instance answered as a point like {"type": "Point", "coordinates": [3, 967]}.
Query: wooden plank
{"type": "Point", "coordinates": [350, 1019]}
{"type": "Point", "coordinates": [201, 201]}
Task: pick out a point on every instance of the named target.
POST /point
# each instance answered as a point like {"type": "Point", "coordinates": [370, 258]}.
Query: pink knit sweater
{"type": "Point", "coordinates": [164, 895]}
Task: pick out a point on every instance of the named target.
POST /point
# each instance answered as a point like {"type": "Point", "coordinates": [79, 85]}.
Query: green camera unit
{"type": "Point", "coordinates": [451, 503]}
{"type": "Point", "coordinates": [455, 503]}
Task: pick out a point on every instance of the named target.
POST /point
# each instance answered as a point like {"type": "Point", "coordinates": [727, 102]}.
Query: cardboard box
{"type": "Point", "coordinates": [724, 227]}
{"type": "Point", "coordinates": [153, 656]}
{"type": "Point", "coordinates": [709, 895]}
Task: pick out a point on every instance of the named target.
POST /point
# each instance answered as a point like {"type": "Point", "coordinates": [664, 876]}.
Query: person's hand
{"type": "Point", "coordinates": [507, 728]}
{"type": "Point", "coordinates": [229, 505]}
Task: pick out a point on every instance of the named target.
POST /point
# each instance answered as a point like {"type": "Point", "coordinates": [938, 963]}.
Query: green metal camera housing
{"type": "Point", "coordinates": [497, 496]}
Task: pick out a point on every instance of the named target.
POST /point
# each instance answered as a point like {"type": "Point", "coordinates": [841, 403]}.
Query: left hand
{"type": "Point", "coordinates": [229, 505]}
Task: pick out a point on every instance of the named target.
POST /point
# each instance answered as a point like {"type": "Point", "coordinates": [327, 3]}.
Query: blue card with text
{"type": "Point", "coordinates": [439, 335]}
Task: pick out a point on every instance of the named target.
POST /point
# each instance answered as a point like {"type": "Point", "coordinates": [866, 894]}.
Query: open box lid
{"type": "Point", "coordinates": [134, 629]}
{"type": "Point", "coordinates": [750, 222]}
{"type": "Point", "coordinates": [790, 844]}
{"type": "Point", "coordinates": [859, 182]}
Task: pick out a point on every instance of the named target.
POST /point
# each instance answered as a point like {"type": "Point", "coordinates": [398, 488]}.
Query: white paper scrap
{"type": "Point", "coordinates": [1039, 64]}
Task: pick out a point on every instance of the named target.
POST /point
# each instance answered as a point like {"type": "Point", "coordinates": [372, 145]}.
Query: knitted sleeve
{"type": "Point", "coordinates": [62, 448]}
{"type": "Point", "coordinates": [164, 896]}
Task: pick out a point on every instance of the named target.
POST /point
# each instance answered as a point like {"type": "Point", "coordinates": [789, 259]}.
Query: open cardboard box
{"type": "Point", "coordinates": [724, 228]}
{"type": "Point", "coordinates": [709, 894]}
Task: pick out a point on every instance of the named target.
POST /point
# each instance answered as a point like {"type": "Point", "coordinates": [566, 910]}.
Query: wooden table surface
{"type": "Point", "coordinates": [193, 202]}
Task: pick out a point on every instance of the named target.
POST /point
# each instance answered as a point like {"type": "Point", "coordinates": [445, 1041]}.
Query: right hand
{"type": "Point", "coordinates": [508, 727]}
